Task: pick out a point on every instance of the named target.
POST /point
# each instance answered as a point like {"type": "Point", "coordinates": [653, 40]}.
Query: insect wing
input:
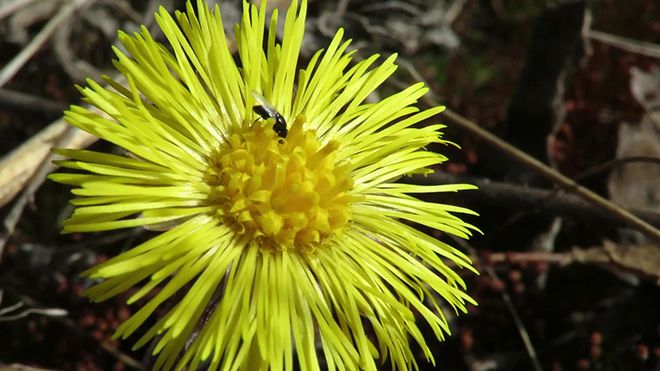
{"type": "Point", "coordinates": [266, 110]}
{"type": "Point", "coordinates": [263, 108]}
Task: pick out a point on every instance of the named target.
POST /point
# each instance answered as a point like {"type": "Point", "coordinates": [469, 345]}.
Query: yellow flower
{"type": "Point", "coordinates": [286, 244]}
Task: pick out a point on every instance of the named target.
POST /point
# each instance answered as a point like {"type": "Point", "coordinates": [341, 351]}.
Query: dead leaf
{"type": "Point", "coordinates": [637, 185]}
{"type": "Point", "coordinates": [643, 259]}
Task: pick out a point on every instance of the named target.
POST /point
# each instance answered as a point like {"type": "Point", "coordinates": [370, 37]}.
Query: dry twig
{"type": "Point", "coordinates": [540, 168]}
{"type": "Point", "coordinates": [31, 102]}
{"type": "Point", "coordinates": [18, 166]}
{"type": "Point", "coordinates": [105, 345]}
{"type": "Point", "coordinates": [533, 200]}
{"type": "Point", "coordinates": [10, 7]}
{"type": "Point", "coordinates": [629, 45]}
{"type": "Point", "coordinates": [7, 316]}
{"type": "Point", "coordinates": [547, 172]}
{"type": "Point", "coordinates": [640, 260]}
{"type": "Point", "coordinates": [19, 60]}
{"type": "Point", "coordinates": [522, 331]}
{"type": "Point", "coordinates": [29, 164]}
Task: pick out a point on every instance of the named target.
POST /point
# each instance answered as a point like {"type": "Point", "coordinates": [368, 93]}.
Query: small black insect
{"type": "Point", "coordinates": [264, 109]}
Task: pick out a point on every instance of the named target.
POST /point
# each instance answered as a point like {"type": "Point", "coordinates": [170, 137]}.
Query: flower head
{"type": "Point", "coordinates": [289, 236]}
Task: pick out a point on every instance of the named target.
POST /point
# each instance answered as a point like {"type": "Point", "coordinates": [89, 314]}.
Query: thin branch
{"type": "Point", "coordinates": [544, 170]}
{"type": "Point", "coordinates": [560, 258]}
{"type": "Point", "coordinates": [547, 172]}
{"type": "Point", "coordinates": [68, 136]}
{"type": "Point", "coordinates": [341, 8]}
{"type": "Point", "coordinates": [454, 10]}
{"type": "Point", "coordinates": [48, 312]}
{"type": "Point", "coordinates": [111, 349]}
{"type": "Point", "coordinates": [522, 331]}
{"type": "Point", "coordinates": [535, 200]}
{"type": "Point", "coordinates": [641, 260]}
{"type": "Point", "coordinates": [392, 6]}
{"type": "Point", "coordinates": [624, 43]}
{"type": "Point", "coordinates": [18, 166]}
{"type": "Point", "coordinates": [605, 166]}
{"type": "Point", "coordinates": [31, 162]}
{"type": "Point", "coordinates": [30, 102]}
{"type": "Point", "coordinates": [149, 15]}
{"type": "Point", "coordinates": [6, 317]}
{"type": "Point", "coordinates": [21, 58]}
{"type": "Point", "coordinates": [22, 367]}
{"type": "Point", "coordinates": [10, 7]}
{"type": "Point", "coordinates": [11, 308]}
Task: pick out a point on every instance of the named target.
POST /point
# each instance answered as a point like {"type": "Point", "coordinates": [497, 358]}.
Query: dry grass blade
{"type": "Point", "coordinates": [10, 7]}
{"type": "Point", "coordinates": [31, 102]}
{"type": "Point", "coordinates": [35, 153]}
{"type": "Point", "coordinates": [547, 172]}
{"type": "Point", "coordinates": [18, 167]}
{"type": "Point", "coordinates": [630, 45]}
{"type": "Point", "coordinates": [19, 60]}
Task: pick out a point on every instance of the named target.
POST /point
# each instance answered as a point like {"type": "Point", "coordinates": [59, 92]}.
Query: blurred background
{"type": "Point", "coordinates": [564, 285]}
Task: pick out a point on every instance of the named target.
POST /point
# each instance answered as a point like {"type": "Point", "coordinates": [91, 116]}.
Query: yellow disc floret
{"type": "Point", "coordinates": [283, 193]}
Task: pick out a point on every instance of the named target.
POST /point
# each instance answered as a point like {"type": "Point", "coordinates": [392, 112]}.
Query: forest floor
{"type": "Point", "coordinates": [563, 284]}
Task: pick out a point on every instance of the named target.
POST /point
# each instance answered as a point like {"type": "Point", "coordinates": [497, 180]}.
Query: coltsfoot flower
{"type": "Point", "coordinates": [284, 247]}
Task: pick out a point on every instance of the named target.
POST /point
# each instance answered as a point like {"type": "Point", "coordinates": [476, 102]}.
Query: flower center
{"type": "Point", "coordinates": [283, 193]}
